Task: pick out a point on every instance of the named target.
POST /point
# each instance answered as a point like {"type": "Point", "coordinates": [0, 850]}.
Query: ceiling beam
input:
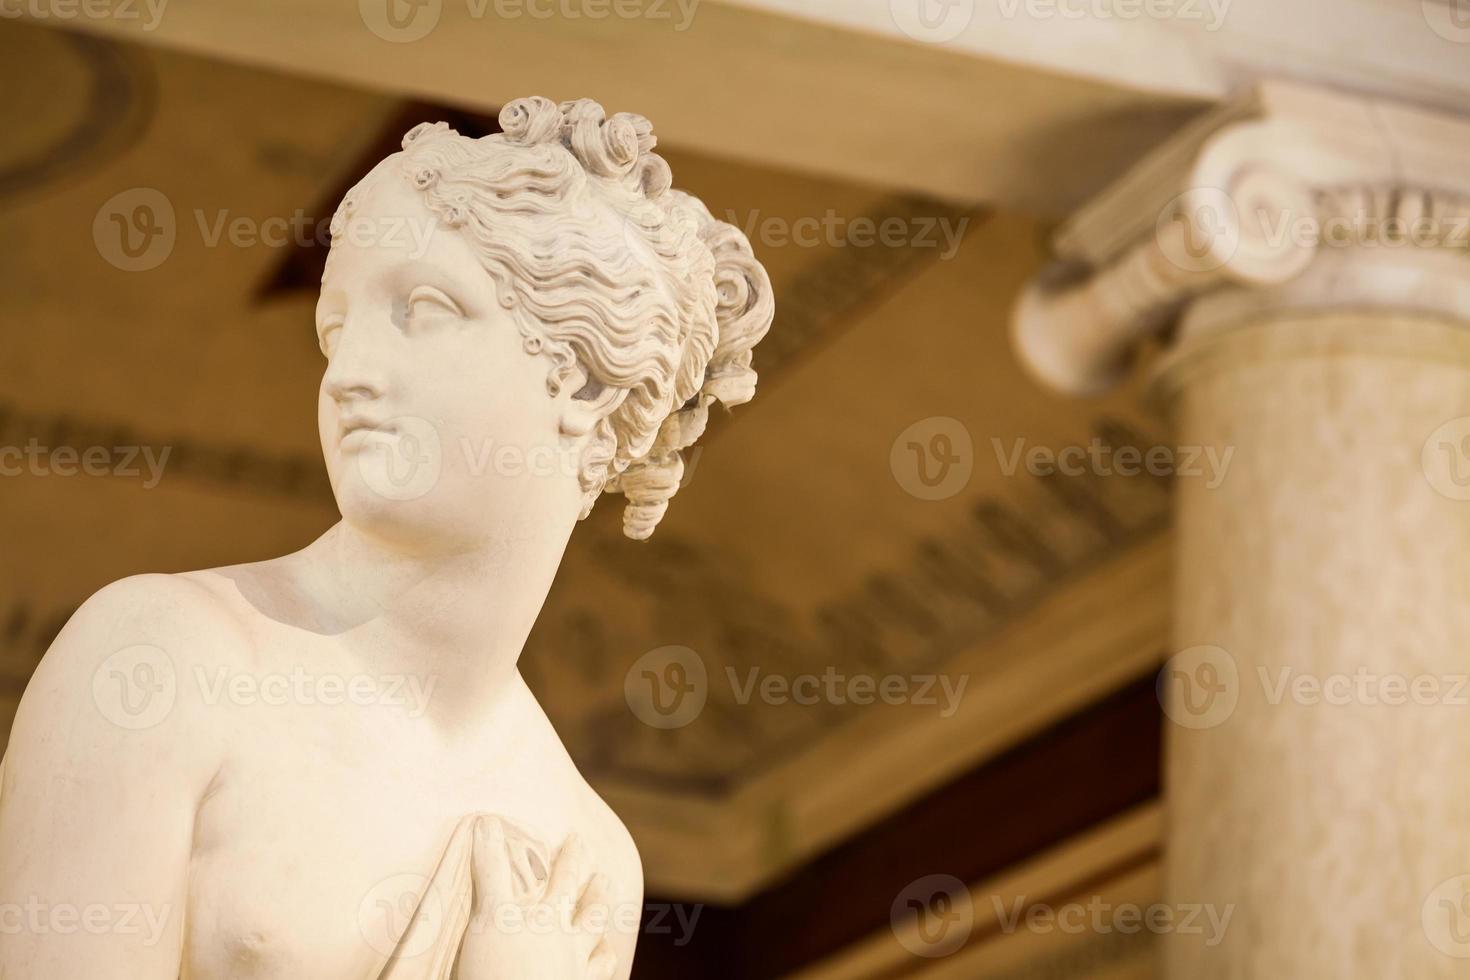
{"type": "Point", "coordinates": [738, 83]}
{"type": "Point", "coordinates": [1033, 104]}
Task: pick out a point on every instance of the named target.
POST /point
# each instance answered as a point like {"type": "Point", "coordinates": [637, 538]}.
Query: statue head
{"type": "Point", "coordinates": [541, 290]}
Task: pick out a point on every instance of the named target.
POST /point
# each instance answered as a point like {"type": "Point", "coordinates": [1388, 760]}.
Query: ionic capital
{"type": "Point", "coordinates": [1245, 205]}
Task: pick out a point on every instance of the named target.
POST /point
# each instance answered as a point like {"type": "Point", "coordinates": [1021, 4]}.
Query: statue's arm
{"type": "Point", "coordinates": [98, 796]}
{"type": "Point", "coordinates": [626, 874]}
{"type": "Point", "coordinates": [624, 942]}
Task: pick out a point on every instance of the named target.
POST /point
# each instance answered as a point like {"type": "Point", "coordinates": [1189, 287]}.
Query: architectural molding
{"type": "Point", "coordinates": [1118, 861]}
{"type": "Point", "coordinates": [1092, 637]}
{"type": "Point", "coordinates": [119, 100]}
{"type": "Point", "coordinates": [1196, 48]}
{"type": "Point", "coordinates": [1099, 82]}
{"type": "Point", "coordinates": [1252, 196]}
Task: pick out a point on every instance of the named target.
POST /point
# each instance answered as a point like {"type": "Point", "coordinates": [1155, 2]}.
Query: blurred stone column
{"type": "Point", "coordinates": [1306, 257]}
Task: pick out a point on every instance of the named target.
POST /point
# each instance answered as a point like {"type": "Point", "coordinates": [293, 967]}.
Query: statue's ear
{"type": "Point", "coordinates": [587, 405]}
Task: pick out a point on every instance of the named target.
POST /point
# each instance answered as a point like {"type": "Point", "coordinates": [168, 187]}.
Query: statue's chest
{"type": "Point", "coordinates": [306, 868]}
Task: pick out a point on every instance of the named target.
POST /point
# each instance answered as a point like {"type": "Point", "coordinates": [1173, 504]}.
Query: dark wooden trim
{"type": "Point", "coordinates": [1076, 775]}
{"type": "Point", "coordinates": [300, 269]}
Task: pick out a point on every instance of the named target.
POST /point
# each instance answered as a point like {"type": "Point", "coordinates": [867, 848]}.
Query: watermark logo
{"type": "Point", "coordinates": [933, 917]}
{"type": "Point", "coordinates": [1446, 459]}
{"type": "Point", "coordinates": [1101, 458]}
{"type": "Point", "coordinates": [662, 918]}
{"type": "Point", "coordinates": [837, 688]}
{"type": "Point", "coordinates": [1445, 917]}
{"type": "Point", "coordinates": [135, 230]}
{"type": "Point", "coordinates": [150, 12]}
{"type": "Point", "coordinates": [934, 458]}
{"type": "Point", "coordinates": [932, 21]}
{"type": "Point", "coordinates": [680, 12]}
{"type": "Point", "coordinates": [40, 918]}
{"type": "Point", "coordinates": [837, 231]}
{"type": "Point", "coordinates": [565, 915]}
{"type": "Point", "coordinates": [1282, 230]}
{"type": "Point", "coordinates": [1363, 687]}
{"type": "Point", "coordinates": [667, 688]}
{"type": "Point", "coordinates": [1273, 223]}
{"type": "Point", "coordinates": [298, 687]}
{"type": "Point", "coordinates": [136, 687]}
{"type": "Point", "coordinates": [409, 234]}
{"type": "Point", "coordinates": [1102, 918]}
{"type": "Point", "coordinates": [395, 903]}
{"type": "Point", "coordinates": [400, 459]}
{"type": "Point", "coordinates": [1199, 230]}
{"type": "Point", "coordinates": [403, 21]}
{"type": "Point", "coordinates": [400, 21]}
{"type": "Point", "coordinates": [516, 461]}
{"type": "Point", "coordinates": [1210, 14]}
{"type": "Point", "coordinates": [35, 459]}
{"type": "Point", "coordinates": [1199, 687]}
{"type": "Point", "coordinates": [1450, 19]}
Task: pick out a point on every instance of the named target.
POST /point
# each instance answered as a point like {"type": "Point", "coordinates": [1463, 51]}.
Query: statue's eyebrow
{"type": "Point", "coordinates": [457, 281]}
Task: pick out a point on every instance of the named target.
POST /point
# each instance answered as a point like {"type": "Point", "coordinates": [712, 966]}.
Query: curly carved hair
{"type": "Point", "coordinates": [626, 283]}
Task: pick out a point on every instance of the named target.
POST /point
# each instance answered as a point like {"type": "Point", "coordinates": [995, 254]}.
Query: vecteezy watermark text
{"type": "Point", "coordinates": [405, 21]}
{"type": "Point", "coordinates": [124, 11]}
{"type": "Point", "coordinates": [669, 687]}
{"type": "Point", "coordinates": [1202, 686]}
{"type": "Point", "coordinates": [681, 12]}
{"type": "Point", "coordinates": [1102, 917]}
{"type": "Point", "coordinates": [1364, 687]}
{"type": "Point", "coordinates": [564, 915]}
{"type": "Point", "coordinates": [136, 230]}
{"type": "Point", "coordinates": [37, 917]}
{"type": "Point", "coordinates": [138, 686]}
{"type": "Point", "coordinates": [837, 688]}
{"type": "Point", "coordinates": [1102, 459]}
{"type": "Point", "coordinates": [298, 687]}
{"type": "Point", "coordinates": [834, 230]}
{"type": "Point", "coordinates": [34, 459]}
{"type": "Point", "coordinates": [301, 230]}
{"type": "Point", "coordinates": [1211, 13]}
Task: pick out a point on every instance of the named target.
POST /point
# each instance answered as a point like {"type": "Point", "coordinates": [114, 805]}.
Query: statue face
{"type": "Point", "coordinates": [434, 419]}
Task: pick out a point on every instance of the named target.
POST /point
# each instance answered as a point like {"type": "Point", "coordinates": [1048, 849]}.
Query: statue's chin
{"type": "Point", "coordinates": [412, 524]}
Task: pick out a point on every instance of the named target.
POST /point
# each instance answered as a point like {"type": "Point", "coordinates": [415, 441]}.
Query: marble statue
{"type": "Point", "coordinates": [213, 775]}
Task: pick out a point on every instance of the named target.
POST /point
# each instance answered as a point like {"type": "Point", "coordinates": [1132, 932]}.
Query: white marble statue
{"type": "Point", "coordinates": [327, 764]}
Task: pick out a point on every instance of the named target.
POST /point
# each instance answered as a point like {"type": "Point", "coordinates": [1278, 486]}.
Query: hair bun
{"type": "Point", "coordinates": [744, 310]}
{"type": "Point", "coordinates": [744, 307]}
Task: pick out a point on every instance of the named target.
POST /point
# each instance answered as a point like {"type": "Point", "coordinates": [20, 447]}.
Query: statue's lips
{"type": "Point", "coordinates": [357, 431]}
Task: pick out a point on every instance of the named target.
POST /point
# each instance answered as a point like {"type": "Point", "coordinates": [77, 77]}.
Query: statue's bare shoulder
{"type": "Point", "coordinates": [115, 677]}
{"type": "Point", "coordinates": [118, 675]}
{"type": "Point", "coordinates": [109, 757]}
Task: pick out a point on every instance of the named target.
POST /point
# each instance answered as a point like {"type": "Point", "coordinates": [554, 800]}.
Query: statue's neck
{"type": "Point", "coordinates": [459, 619]}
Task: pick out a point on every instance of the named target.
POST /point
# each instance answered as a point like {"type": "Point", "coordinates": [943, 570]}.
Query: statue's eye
{"type": "Point", "coordinates": [426, 301]}
{"type": "Point", "coordinates": [327, 330]}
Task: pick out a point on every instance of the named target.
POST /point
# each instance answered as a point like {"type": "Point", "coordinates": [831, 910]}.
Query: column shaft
{"type": "Point", "coordinates": [1327, 808]}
